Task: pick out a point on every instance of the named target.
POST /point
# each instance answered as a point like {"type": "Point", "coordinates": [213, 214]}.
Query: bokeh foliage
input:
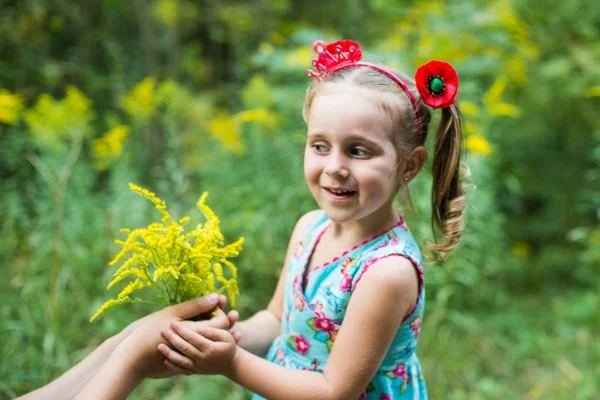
{"type": "Point", "coordinates": [190, 96]}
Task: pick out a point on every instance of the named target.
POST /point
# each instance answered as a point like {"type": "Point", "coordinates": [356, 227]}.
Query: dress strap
{"type": "Point", "coordinates": [400, 243]}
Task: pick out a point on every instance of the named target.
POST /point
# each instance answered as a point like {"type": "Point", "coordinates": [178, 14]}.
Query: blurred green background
{"type": "Point", "coordinates": [184, 96]}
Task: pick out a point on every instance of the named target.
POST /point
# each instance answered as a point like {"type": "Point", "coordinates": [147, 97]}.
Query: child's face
{"type": "Point", "coordinates": [350, 163]}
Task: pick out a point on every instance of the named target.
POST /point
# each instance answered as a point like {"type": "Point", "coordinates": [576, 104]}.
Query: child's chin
{"type": "Point", "coordinates": [338, 216]}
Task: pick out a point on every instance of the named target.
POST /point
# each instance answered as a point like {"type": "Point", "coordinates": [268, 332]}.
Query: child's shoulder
{"type": "Point", "coordinates": [305, 222]}
{"type": "Point", "coordinates": [308, 219]}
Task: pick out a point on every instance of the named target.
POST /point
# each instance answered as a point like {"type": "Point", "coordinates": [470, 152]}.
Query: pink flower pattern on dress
{"type": "Point", "coordinates": [385, 396]}
{"type": "Point", "coordinates": [296, 284]}
{"type": "Point", "coordinates": [280, 355]}
{"type": "Point", "coordinates": [399, 371]}
{"type": "Point", "coordinates": [302, 345]}
{"type": "Point", "coordinates": [333, 334]}
{"type": "Point", "coordinates": [299, 302]}
{"type": "Point", "coordinates": [324, 324]}
{"type": "Point", "coordinates": [415, 326]}
{"type": "Point", "coordinates": [319, 310]}
{"type": "Point", "coordinates": [346, 283]}
{"type": "Point", "coordinates": [299, 250]}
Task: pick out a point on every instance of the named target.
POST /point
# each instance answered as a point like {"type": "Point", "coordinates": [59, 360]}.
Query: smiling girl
{"type": "Point", "coordinates": [345, 318]}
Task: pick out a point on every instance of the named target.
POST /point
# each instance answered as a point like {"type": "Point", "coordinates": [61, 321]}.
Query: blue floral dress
{"type": "Point", "coordinates": [315, 304]}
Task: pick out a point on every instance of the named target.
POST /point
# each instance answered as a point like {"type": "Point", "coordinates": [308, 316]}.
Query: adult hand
{"type": "Point", "coordinates": [139, 347]}
{"type": "Point", "coordinates": [136, 357]}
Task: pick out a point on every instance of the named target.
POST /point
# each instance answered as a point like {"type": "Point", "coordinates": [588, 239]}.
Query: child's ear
{"type": "Point", "coordinates": [414, 162]}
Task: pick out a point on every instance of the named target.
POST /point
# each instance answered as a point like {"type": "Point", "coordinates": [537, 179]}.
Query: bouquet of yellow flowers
{"type": "Point", "coordinates": [179, 265]}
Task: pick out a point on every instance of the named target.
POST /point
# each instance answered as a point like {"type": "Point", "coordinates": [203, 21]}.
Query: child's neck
{"type": "Point", "coordinates": [357, 231]}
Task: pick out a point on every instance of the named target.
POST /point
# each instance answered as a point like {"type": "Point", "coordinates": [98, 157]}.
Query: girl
{"type": "Point", "coordinates": [345, 317]}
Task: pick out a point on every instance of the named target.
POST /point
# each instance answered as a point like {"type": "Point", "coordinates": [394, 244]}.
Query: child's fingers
{"type": "Point", "coordinates": [216, 335]}
{"type": "Point", "coordinates": [233, 317]}
{"type": "Point", "coordinates": [237, 336]}
{"type": "Point", "coordinates": [199, 342]}
{"type": "Point", "coordinates": [176, 358]}
{"type": "Point", "coordinates": [177, 369]}
{"type": "Point", "coordinates": [218, 320]}
{"type": "Point", "coordinates": [180, 343]}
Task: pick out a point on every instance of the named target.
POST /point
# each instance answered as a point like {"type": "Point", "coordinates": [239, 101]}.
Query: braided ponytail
{"type": "Point", "coordinates": [447, 195]}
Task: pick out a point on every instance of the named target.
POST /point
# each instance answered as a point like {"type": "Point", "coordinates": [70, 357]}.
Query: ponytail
{"type": "Point", "coordinates": [447, 195]}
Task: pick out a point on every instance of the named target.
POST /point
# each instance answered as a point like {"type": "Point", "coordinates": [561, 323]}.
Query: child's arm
{"type": "Point", "coordinates": [259, 331]}
{"type": "Point", "coordinates": [385, 294]}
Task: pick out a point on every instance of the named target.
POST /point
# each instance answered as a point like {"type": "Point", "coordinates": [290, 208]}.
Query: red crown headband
{"type": "Point", "coordinates": [437, 81]}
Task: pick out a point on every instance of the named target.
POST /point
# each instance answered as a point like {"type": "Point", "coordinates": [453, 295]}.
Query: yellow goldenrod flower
{"type": "Point", "coordinates": [109, 145]}
{"type": "Point", "coordinates": [592, 91]}
{"type": "Point", "coordinates": [492, 100]}
{"type": "Point", "coordinates": [179, 265]}
{"type": "Point", "coordinates": [504, 109]}
{"type": "Point", "coordinates": [471, 128]}
{"type": "Point", "coordinates": [167, 11]}
{"type": "Point", "coordinates": [140, 101]}
{"type": "Point", "coordinates": [521, 249]}
{"type": "Point", "coordinates": [51, 120]}
{"type": "Point", "coordinates": [494, 93]}
{"type": "Point", "coordinates": [226, 128]}
{"type": "Point", "coordinates": [266, 49]}
{"type": "Point", "coordinates": [298, 58]}
{"type": "Point", "coordinates": [11, 106]}
{"type": "Point", "coordinates": [277, 38]}
{"type": "Point", "coordinates": [469, 108]}
{"type": "Point", "coordinates": [478, 145]}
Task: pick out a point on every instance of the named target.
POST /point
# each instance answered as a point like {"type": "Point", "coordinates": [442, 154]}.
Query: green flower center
{"type": "Point", "coordinates": [436, 86]}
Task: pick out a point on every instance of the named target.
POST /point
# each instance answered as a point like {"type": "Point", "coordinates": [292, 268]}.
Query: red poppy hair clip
{"type": "Point", "coordinates": [437, 83]}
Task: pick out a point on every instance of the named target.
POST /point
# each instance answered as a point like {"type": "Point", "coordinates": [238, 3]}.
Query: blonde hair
{"type": "Point", "coordinates": [447, 195]}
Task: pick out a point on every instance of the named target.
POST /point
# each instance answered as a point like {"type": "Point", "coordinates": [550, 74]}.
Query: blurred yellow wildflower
{"type": "Point", "coordinates": [109, 145]}
{"type": "Point", "coordinates": [592, 91]}
{"type": "Point", "coordinates": [166, 11]}
{"type": "Point", "coordinates": [11, 106]}
{"type": "Point", "coordinates": [299, 58]}
{"type": "Point", "coordinates": [225, 128]}
{"type": "Point", "coordinates": [469, 108]}
{"type": "Point", "coordinates": [265, 117]}
{"type": "Point", "coordinates": [140, 101]}
{"type": "Point", "coordinates": [477, 144]}
{"type": "Point", "coordinates": [504, 109]}
{"type": "Point", "coordinates": [277, 39]}
{"type": "Point", "coordinates": [492, 97]}
{"type": "Point", "coordinates": [179, 265]}
{"type": "Point", "coordinates": [471, 128]}
{"type": "Point", "coordinates": [51, 120]}
{"type": "Point", "coordinates": [257, 93]}
{"type": "Point", "coordinates": [521, 249]}
{"type": "Point", "coordinates": [266, 49]}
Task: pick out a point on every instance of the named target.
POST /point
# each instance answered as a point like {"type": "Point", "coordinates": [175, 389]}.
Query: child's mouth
{"type": "Point", "coordinates": [340, 194]}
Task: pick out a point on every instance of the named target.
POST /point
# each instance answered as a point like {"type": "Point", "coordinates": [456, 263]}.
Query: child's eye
{"type": "Point", "coordinates": [358, 152]}
{"type": "Point", "coordinates": [319, 148]}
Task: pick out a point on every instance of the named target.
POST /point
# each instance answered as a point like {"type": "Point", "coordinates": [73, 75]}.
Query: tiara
{"type": "Point", "coordinates": [437, 81]}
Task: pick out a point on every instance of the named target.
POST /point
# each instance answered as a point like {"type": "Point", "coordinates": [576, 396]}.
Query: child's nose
{"type": "Point", "coordinates": [336, 166]}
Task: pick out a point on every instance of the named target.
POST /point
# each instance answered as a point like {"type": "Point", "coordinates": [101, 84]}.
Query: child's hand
{"type": "Point", "coordinates": [200, 350]}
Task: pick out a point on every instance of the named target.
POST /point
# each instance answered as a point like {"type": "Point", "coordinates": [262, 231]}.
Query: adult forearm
{"type": "Point", "coordinates": [114, 381]}
{"type": "Point", "coordinates": [69, 384]}
{"type": "Point", "coordinates": [258, 332]}
{"type": "Point", "coordinates": [275, 382]}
